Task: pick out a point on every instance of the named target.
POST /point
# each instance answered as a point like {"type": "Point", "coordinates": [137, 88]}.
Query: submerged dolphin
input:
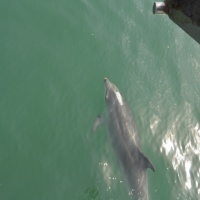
{"type": "Point", "coordinates": [125, 142]}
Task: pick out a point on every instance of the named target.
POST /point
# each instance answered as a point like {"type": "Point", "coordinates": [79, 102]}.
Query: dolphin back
{"type": "Point", "coordinates": [125, 142]}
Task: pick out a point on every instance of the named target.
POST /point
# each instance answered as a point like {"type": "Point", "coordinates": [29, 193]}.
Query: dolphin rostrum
{"type": "Point", "coordinates": [125, 142]}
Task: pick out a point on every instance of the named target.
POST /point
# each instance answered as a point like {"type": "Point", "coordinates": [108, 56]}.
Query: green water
{"type": "Point", "coordinates": [53, 58]}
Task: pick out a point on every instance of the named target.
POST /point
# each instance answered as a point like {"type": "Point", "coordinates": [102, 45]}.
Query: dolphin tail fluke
{"type": "Point", "coordinates": [147, 163]}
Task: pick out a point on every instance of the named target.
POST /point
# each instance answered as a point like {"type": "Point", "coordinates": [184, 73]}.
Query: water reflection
{"type": "Point", "coordinates": [181, 145]}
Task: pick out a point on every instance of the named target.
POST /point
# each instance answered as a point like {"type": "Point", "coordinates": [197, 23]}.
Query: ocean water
{"type": "Point", "coordinates": [53, 58]}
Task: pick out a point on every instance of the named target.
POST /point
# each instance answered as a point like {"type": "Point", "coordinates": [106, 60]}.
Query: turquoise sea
{"type": "Point", "coordinates": [54, 56]}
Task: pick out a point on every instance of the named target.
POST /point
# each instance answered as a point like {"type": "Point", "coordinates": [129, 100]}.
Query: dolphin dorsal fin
{"type": "Point", "coordinates": [147, 163]}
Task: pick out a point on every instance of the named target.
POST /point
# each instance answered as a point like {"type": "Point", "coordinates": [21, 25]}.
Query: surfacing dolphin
{"type": "Point", "coordinates": [125, 142]}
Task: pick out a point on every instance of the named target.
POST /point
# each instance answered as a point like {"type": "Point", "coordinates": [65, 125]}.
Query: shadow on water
{"type": "Point", "coordinates": [90, 193]}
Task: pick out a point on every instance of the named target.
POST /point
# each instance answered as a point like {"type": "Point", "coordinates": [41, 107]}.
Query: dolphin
{"type": "Point", "coordinates": [125, 142]}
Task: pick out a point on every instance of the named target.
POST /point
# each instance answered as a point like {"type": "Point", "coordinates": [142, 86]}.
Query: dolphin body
{"type": "Point", "coordinates": [125, 142]}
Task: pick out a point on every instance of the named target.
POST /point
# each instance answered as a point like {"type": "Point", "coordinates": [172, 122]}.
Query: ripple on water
{"type": "Point", "coordinates": [181, 145]}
